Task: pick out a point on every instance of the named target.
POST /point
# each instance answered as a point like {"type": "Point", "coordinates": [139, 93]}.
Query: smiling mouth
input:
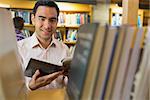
{"type": "Point", "coordinates": [46, 32]}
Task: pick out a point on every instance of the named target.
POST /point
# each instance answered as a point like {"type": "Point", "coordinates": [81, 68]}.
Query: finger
{"type": "Point", "coordinates": [56, 73]}
{"type": "Point", "coordinates": [45, 80]}
{"type": "Point", "coordinates": [53, 76]}
{"type": "Point", "coordinates": [36, 74]}
{"type": "Point", "coordinates": [32, 83]}
{"type": "Point", "coordinates": [65, 80]}
{"type": "Point", "coordinates": [48, 78]}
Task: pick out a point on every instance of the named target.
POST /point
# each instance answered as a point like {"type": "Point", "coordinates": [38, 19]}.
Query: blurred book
{"type": "Point", "coordinates": [122, 66]}
{"type": "Point", "coordinates": [105, 63]}
{"type": "Point", "coordinates": [115, 61]}
{"type": "Point", "coordinates": [85, 61]}
{"type": "Point", "coordinates": [142, 83]}
{"type": "Point", "coordinates": [12, 81]}
{"type": "Point", "coordinates": [132, 66]}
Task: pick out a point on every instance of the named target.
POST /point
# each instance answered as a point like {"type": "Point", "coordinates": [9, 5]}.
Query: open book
{"type": "Point", "coordinates": [45, 68]}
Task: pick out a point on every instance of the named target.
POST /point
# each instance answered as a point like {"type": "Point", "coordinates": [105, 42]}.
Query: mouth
{"type": "Point", "coordinates": [45, 32]}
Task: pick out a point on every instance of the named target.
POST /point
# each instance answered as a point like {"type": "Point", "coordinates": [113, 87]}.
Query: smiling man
{"type": "Point", "coordinates": [42, 45]}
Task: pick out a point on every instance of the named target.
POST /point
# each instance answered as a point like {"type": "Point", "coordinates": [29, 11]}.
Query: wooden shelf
{"type": "Point", "coordinates": [59, 26]}
{"type": "Point", "coordinates": [69, 43]}
{"type": "Point", "coordinates": [72, 26]}
{"type": "Point", "coordinates": [29, 25]}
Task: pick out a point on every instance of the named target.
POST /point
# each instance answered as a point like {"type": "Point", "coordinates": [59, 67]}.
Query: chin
{"type": "Point", "coordinates": [46, 37]}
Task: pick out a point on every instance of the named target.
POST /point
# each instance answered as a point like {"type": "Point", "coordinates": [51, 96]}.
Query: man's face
{"type": "Point", "coordinates": [45, 21]}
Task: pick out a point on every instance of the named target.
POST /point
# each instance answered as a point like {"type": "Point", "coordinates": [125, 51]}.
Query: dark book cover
{"type": "Point", "coordinates": [45, 68]}
{"type": "Point", "coordinates": [81, 59]}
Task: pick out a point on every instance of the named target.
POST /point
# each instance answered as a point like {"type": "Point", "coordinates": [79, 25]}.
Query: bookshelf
{"type": "Point", "coordinates": [115, 16]}
{"type": "Point", "coordinates": [146, 17]}
{"type": "Point", "coordinates": [72, 15]}
{"type": "Point", "coordinates": [69, 23]}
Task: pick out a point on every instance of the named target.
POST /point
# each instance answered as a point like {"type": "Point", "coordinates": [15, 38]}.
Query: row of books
{"type": "Point", "coordinates": [73, 19]}
{"type": "Point", "coordinates": [105, 62]}
{"type": "Point", "coordinates": [117, 20]}
{"type": "Point", "coordinates": [71, 35]}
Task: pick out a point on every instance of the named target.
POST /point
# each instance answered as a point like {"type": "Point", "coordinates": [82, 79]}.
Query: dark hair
{"type": "Point", "coordinates": [18, 22]}
{"type": "Point", "coordinates": [48, 3]}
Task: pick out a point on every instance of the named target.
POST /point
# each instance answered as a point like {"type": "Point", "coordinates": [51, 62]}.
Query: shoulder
{"type": "Point", "coordinates": [24, 43]}
{"type": "Point", "coordinates": [61, 44]}
{"type": "Point", "coordinates": [63, 47]}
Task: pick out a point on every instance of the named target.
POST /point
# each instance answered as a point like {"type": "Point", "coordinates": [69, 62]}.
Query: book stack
{"type": "Point", "coordinates": [105, 62]}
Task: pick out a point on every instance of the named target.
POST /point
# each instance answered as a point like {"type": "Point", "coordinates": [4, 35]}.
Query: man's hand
{"type": "Point", "coordinates": [66, 65]}
{"type": "Point", "coordinates": [38, 81]}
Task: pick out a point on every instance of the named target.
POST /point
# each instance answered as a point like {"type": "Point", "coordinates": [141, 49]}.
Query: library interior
{"type": "Point", "coordinates": [101, 48]}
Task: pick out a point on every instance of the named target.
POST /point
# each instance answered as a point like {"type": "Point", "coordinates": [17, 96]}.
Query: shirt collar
{"type": "Point", "coordinates": [34, 41]}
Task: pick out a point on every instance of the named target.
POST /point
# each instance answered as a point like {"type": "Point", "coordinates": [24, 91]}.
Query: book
{"type": "Point", "coordinates": [45, 68]}
{"type": "Point", "coordinates": [105, 63]}
{"type": "Point", "coordinates": [85, 61]}
{"type": "Point", "coordinates": [132, 66]}
{"type": "Point", "coordinates": [115, 61]}
{"type": "Point", "coordinates": [11, 76]}
{"type": "Point", "coordinates": [96, 57]}
{"type": "Point", "coordinates": [122, 66]}
{"type": "Point", "coordinates": [141, 83]}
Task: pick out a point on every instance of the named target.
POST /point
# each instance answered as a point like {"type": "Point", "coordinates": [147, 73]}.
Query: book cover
{"type": "Point", "coordinates": [82, 57]}
{"type": "Point", "coordinates": [45, 68]}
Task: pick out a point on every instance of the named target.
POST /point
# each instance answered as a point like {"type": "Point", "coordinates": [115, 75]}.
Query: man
{"type": "Point", "coordinates": [19, 24]}
{"type": "Point", "coordinates": [43, 46]}
{"type": "Point", "coordinates": [20, 32]}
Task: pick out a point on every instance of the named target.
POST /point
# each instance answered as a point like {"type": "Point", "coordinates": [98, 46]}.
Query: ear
{"type": "Point", "coordinates": [33, 19]}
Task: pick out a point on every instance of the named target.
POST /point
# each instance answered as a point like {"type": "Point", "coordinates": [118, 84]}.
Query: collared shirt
{"type": "Point", "coordinates": [54, 53]}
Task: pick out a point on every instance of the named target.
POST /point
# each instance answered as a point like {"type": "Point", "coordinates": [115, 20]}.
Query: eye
{"type": "Point", "coordinates": [53, 20]}
{"type": "Point", "coordinates": [41, 19]}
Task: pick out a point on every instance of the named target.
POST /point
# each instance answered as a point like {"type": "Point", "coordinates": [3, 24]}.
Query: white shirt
{"type": "Point", "coordinates": [54, 53]}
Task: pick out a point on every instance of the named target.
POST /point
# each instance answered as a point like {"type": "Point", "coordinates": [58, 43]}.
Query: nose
{"type": "Point", "coordinates": [47, 24]}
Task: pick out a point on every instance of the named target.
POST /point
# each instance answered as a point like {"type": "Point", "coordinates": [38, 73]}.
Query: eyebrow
{"type": "Point", "coordinates": [45, 17]}
{"type": "Point", "coordinates": [41, 16]}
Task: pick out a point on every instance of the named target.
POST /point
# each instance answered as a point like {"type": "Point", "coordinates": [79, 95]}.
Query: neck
{"type": "Point", "coordinates": [44, 42]}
